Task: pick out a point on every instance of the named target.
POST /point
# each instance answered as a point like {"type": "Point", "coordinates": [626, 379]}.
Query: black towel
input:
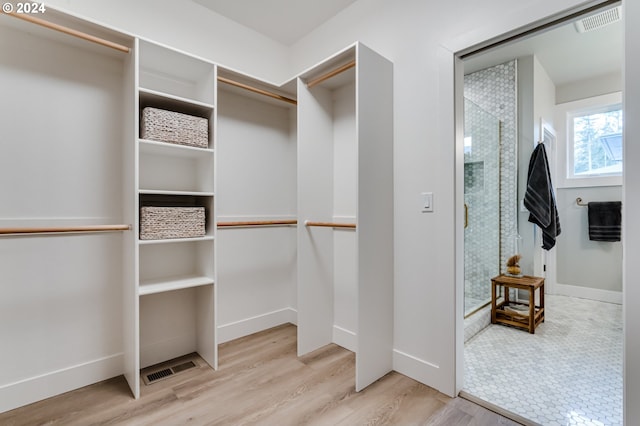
{"type": "Point", "coordinates": [539, 198]}
{"type": "Point", "coordinates": [605, 220]}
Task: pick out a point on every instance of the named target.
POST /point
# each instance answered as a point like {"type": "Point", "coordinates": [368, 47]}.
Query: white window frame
{"type": "Point", "coordinates": [564, 119]}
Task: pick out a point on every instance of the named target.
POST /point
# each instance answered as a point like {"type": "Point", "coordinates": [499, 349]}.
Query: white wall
{"type": "Point", "coordinates": [600, 85]}
{"type": "Point", "coordinates": [420, 38]}
{"type": "Point", "coordinates": [60, 165]}
{"type": "Point", "coordinates": [256, 180]}
{"type": "Point", "coordinates": [581, 262]}
{"type": "Point", "coordinates": [190, 27]}
{"type": "Point", "coordinates": [585, 268]}
{"type": "Point", "coordinates": [544, 101]}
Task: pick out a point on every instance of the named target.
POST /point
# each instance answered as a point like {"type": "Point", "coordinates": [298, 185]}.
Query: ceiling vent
{"type": "Point", "coordinates": [599, 20]}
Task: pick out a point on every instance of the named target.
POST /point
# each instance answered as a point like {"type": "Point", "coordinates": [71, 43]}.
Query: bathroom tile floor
{"type": "Point", "coordinates": [568, 373]}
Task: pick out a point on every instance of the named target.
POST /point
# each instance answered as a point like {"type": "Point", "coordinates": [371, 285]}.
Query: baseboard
{"type": "Point", "coordinates": [245, 327]}
{"type": "Point", "coordinates": [37, 388]}
{"type": "Point", "coordinates": [418, 369]}
{"type": "Point", "coordinates": [588, 293]}
{"type": "Point", "coordinates": [345, 338]}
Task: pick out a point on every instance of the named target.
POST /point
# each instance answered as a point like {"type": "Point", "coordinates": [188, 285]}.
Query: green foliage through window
{"type": "Point", "coordinates": [597, 143]}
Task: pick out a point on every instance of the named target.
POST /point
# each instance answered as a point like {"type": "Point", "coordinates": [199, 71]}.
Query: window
{"type": "Point", "coordinates": [589, 141]}
{"type": "Point", "coordinates": [595, 142]}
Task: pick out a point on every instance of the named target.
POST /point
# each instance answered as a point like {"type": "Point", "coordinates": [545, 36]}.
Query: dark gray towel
{"type": "Point", "coordinates": [539, 198]}
{"type": "Point", "coordinates": [605, 220]}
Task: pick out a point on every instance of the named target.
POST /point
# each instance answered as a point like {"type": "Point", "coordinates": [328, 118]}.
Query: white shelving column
{"type": "Point", "coordinates": [345, 174]}
{"type": "Point", "coordinates": [174, 291]}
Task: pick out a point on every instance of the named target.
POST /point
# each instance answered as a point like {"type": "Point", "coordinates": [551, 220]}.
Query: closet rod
{"type": "Point", "coordinates": [68, 229]}
{"type": "Point", "coordinates": [331, 224]}
{"type": "Point", "coordinates": [580, 203]}
{"type": "Point", "coordinates": [70, 31]}
{"type": "Point", "coordinates": [257, 223]}
{"type": "Point", "coordinates": [330, 74]}
{"type": "Point", "coordinates": [256, 90]}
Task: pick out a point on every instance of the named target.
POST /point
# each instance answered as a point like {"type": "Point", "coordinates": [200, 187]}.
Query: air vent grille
{"type": "Point", "coordinates": [167, 372]}
{"type": "Point", "coordinates": [159, 375]}
{"type": "Point", "coordinates": [599, 20]}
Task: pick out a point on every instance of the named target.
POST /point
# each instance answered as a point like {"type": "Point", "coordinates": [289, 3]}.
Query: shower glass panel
{"type": "Point", "coordinates": [482, 205]}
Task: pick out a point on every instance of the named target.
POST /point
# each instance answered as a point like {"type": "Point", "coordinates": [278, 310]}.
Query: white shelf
{"type": "Point", "coordinates": [174, 103]}
{"type": "Point", "coordinates": [163, 192]}
{"type": "Point", "coordinates": [176, 240]}
{"type": "Point", "coordinates": [171, 149]}
{"type": "Point", "coordinates": [173, 283]}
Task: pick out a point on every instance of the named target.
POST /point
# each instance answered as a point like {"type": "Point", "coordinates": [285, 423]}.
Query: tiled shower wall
{"type": "Point", "coordinates": [494, 90]}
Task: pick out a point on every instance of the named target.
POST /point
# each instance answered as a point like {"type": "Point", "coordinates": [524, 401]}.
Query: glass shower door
{"type": "Point", "coordinates": [482, 205]}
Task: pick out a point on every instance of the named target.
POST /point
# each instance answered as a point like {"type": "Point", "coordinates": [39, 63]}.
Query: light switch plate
{"type": "Point", "coordinates": [427, 202]}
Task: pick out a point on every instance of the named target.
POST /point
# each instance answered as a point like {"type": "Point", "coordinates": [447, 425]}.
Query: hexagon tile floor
{"type": "Point", "coordinates": [568, 373]}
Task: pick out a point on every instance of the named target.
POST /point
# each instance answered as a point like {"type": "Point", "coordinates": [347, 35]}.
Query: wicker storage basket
{"type": "Point", "coordinates": [159, 223]}
{"type": "Point", "coordinates": [174, 127]}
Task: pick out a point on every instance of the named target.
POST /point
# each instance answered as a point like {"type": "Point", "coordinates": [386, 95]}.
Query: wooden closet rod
{"type": "Point", "coordinates": [68, 229]}
{"type": "Point", "coordinates": [257, 223]}
{"type": "Point", "coordinates": [256, 90]}
{"type": "Point", "coordinates": [70, 31]}
{"type": "Point", "coordinates": [330, 74]}
{"type": "Point", "coordinates": [331, 224]}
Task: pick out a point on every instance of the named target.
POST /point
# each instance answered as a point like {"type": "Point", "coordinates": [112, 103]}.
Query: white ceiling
{"type": "Point", "coordinates": [285, 21]}
{"type": "Point", "coordinates": [565, 54]}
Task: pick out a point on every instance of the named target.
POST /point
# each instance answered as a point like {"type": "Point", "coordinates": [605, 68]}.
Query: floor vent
{"type": "Point", "coordinates": [167, 372]}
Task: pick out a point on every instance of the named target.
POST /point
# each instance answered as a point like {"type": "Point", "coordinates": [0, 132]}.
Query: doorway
{"type": "Point", "coordinates": [542, 86]}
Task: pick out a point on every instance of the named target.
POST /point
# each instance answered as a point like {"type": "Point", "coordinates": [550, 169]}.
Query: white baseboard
{"type": "Point", "coordinates": [37, 388]}
{"type": "Point", "coordinates": [245, 327]}
{"type": "Point", "coordinates": [423, 371]}
{"type": "Point", "coordinates": [345, 338]}
{"type": "Point", "coordinates": [588, 293]}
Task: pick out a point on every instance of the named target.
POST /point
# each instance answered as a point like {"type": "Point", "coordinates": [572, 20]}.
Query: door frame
{"type": "Point", "coordinates": [451, 61]}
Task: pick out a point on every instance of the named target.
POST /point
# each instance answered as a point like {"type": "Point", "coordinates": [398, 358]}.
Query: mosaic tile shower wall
{"type": "Point", "coordinates": [494, 91]}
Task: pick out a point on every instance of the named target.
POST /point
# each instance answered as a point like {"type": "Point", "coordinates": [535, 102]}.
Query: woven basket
{"type": "Point", "coordinates": [174, 127]}
{"type": "Point", "coordinates": [159, 223]}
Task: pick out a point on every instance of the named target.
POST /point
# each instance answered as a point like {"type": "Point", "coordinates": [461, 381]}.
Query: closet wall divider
{"type": "Point", "coordinates": [345, 169]}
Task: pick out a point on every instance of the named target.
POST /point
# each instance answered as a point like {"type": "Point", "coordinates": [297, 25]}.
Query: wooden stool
{"type": "Point", "coordinates": [501, 314]}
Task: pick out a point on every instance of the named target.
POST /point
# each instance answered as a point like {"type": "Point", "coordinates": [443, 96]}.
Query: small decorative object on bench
{"type": "Point", "coordinates": [513, 268]}
{"type": "Point", "coordinates": [174, 127]}
{"type": "Point", "coordinates": [159, 223]}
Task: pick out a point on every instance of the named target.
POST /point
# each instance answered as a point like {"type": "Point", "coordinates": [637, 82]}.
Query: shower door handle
{"type": "Point", "coordinates": [466, 215]}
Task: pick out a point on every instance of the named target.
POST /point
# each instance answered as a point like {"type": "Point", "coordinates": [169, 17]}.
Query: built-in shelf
{"type": "Point", "coordinates": [163, 192]}
{"type": "Point", "coordinates": [173, 283]}
{"type": "Point", "coordinates": [171, 102]}
{"type": "Point", "coordinates": [171, 149]}
{"type": "Point", "coordinates": [176, 240]}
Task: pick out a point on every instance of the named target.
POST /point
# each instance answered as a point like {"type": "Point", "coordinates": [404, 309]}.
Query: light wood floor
{"type": "Point", "coordinates": [260, 381]}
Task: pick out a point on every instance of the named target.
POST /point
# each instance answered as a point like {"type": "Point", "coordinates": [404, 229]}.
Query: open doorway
{"type": "Point", "coordinates": [570, 369]}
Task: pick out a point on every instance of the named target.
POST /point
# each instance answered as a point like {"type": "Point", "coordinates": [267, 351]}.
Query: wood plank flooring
{"type": "Point", "coordinates": [260, 381]}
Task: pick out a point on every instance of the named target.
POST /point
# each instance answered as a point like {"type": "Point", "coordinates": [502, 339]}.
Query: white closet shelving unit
{"type": "Point", "coordinates": [345, 175]}
{"type": "Point", "coordinates": [170, 302]}
{"type": "Point", "coordinates": [256, 177]}
{"type": "Point", "coordinates": [72, 155]}
{"type": "Point", "coordinates": [63, 129]}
